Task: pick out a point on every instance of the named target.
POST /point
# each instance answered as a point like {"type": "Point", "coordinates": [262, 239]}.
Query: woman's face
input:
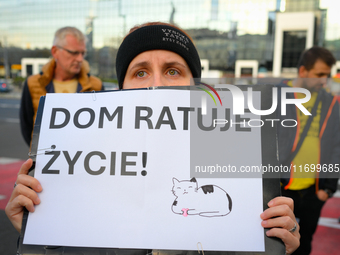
{"type": "Point", "coordinates": [157, 68]}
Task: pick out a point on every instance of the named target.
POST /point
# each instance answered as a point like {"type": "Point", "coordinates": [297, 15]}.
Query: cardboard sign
{"type": "Point", "coordinates": [139, 169]}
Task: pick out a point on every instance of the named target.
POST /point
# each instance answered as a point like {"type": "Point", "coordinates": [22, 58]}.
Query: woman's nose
{"type": "Point", "coordinates": [158, 80]}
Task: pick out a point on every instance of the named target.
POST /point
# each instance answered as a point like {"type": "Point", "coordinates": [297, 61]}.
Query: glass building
{"type": "Point", "coordinates": [224, 31]}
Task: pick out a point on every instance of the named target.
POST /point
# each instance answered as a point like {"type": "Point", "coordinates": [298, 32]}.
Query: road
{"type": "Point", "coordinates": [12, 143]}
{"type": "Point", "coordinates": [13, 150]}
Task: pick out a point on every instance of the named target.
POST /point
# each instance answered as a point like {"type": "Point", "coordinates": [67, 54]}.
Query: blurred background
{"type": "Point", "coordinates": [244, 40]}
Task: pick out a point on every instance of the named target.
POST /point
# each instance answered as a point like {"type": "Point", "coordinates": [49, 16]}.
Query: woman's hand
{"type": "Point", "coordinates": [23, 195]}
{"type": "Point", "coordinates": [281, 219]}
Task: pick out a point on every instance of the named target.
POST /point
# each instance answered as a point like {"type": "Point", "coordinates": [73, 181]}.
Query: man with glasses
{"type": "Point", "coordinates": [66, 72]}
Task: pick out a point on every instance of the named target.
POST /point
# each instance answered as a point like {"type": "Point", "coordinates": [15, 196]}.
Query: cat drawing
{"type": "Point", "coordinates": [206, 201]}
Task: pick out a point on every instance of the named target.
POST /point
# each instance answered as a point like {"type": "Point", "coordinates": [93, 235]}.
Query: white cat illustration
{"type": "Point", "coordinates": [206, 201]}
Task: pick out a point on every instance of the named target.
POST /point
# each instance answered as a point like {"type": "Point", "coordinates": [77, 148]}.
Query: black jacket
{"type": "Point", "coordinates": [329, 141]}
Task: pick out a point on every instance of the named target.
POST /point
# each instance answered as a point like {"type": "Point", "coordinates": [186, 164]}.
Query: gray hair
{"type": "Point", "coordinates": [59, 36]}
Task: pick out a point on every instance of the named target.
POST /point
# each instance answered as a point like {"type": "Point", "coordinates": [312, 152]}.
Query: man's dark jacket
{"type": "Point", "coordinates": [329, 141]}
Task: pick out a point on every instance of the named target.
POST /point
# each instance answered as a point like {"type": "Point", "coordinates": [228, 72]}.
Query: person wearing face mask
{"type": "Point", "coordinates": [313, 143]}
{"type": "Point", "coordinates": [158, 54]}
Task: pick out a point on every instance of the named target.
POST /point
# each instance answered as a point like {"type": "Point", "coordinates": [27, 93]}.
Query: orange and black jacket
{"type": "Point", "coordinates": [38, 85]}
{"type": "Point", "coordinates": [329, 139]}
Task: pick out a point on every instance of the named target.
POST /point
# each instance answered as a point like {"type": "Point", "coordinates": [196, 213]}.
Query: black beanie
{"type": "Point", "coordinates": [156, 37]}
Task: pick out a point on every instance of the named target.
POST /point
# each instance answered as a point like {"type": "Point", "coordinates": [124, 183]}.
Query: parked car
{"type": "Point", "coordinates": [4, 87]}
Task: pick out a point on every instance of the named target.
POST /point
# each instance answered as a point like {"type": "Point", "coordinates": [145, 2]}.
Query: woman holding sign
{"type": "Point", "coordinates": [157, 54]}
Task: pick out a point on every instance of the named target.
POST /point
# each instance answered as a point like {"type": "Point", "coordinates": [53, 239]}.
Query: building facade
{"type": "Point", "coordinates": [224, 31]}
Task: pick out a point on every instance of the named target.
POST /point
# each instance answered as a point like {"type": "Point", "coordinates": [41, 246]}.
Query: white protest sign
{"type": "Point", "coordinates": [120, 171]}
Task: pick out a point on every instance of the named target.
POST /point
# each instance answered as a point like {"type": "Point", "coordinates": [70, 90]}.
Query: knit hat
{"type": "Point", "coordinates": [156, 37]}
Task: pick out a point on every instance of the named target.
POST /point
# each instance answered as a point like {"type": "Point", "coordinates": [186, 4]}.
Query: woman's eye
{"type": "Point", "coordinates": [141, 73]}
{"type": "Point", "coordinates": [172, 72]}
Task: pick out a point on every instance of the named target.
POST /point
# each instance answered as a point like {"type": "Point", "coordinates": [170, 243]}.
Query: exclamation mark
{"type": "Point", "coordinates": [144, 160]}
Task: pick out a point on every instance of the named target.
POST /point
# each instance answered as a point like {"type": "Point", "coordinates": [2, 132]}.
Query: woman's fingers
{"type": "Point", "coordinates": [23, 195]}
{"type": "Point", "coordinates": [25, 167]}
{"type": "Point", "coordinates": [278, 211]}
{"type": "Point", "coordinates": [25, 180]}
{"type": "Point", "coordinates": [284, 222]}
{"type": "Point", "coordinates": [18, 203]}
{"type": "Point", "coordinates": [279, 206]}
{"type": "Point", "coordinates": [22, 190]}
{"type": "Point", "coordinates": [279, 217]}
{"type": "Point", "coordinates": [282, 201]}
{"type": "Point", "coordinates": [292, 242]}
{"type": "Point", "coordinates": [28, 181]}
{"type": "Point", "coordinates": [14, 210]}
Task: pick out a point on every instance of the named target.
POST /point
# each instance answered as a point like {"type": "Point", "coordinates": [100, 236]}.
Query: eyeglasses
{"type": "Point", "coordinates": [73, 53]}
